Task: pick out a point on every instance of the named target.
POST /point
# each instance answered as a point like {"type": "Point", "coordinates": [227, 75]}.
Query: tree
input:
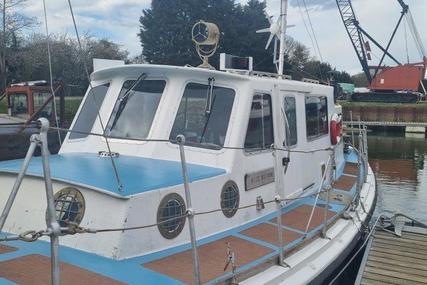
{"type": "Point", "coordinates": [165, 32]}
{"type": "Point", "coordinates": [13, 23]}
{"type": "Point", "coordinates": [360, 80]}
{"type": "Point", "coordinates": [30, 62]}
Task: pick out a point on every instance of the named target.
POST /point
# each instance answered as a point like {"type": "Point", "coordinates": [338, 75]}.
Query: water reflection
{"type": "Point", "coordinates": [400, 167]}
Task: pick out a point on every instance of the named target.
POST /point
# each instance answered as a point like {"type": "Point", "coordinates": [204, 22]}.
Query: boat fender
{"type": "Point", "coordinates": [336, 127]}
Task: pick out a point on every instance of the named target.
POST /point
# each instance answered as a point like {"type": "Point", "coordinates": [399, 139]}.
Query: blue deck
{"type": "Point", "coordinates": [137, 174]}
{"type": "Point", "coordinates": [132, 271]}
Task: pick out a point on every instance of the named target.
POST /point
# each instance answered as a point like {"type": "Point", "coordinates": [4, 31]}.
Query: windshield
{"type": "Point", "coordinates": [202, 126]}
{"type": "Point", "coordinates": [135, 109]}
{"type": "Point", "coordinates": [89, 112]}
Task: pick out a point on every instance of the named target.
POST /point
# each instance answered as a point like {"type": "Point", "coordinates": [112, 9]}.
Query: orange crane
{"type": "Point", "coordinates": [399, 83]}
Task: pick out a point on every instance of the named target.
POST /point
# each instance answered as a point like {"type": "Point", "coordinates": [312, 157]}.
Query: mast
{"type": "Point", "coordinates": [283, 25]}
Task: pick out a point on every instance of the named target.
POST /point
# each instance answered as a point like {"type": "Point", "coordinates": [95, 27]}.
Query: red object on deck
{"type": "Point", "coordinates": [400, 78]}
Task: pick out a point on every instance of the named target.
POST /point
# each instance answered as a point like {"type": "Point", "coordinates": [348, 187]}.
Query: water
{"type": "Point", "coordinates": [400, 165]}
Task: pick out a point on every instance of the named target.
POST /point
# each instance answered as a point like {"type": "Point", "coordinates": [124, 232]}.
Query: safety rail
{"type": "Point", "coordinates": [54, 230]}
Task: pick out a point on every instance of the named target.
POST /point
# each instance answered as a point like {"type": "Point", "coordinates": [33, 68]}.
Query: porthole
{"type": "Point", "coordinates": [171, 216]}
{"type": "Point", "coordinates": [230, 198]}
{"type": "Point", "coordinates": [69, 206]}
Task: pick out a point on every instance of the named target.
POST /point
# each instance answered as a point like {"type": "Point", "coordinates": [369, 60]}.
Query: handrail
{"type": "Point", "coordinates": [54, 231]}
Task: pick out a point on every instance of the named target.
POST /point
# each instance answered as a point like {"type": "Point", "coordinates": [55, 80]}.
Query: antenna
{"type": "Point", "coordinates": [206, 37]}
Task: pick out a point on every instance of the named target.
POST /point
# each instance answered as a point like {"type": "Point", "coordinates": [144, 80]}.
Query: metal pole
{"type": "Point", "coordinates": [283, 24]}
{"type": "Point", "coordinates": [280, 231]}
{"type": "Point", "coordinates": [328, 190]}
{"type": "Point", "coordinates": [181, 141]}
{"type": "Point", "coordinates": [352, 128]}
{"type": "Point", "coordinates": [34, 141]}
{"type": "Point", "coordinates": [365, 151]}
{"type": "Point", "coordinates": [359, 172]}
{"type": "Point", "coordinates": [279, 184]}
{"type": "Point", "coordinates": [51, 222]}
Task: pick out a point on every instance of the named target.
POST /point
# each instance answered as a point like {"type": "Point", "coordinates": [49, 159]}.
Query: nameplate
{"type": "Point", "coordinates": [259, 178]}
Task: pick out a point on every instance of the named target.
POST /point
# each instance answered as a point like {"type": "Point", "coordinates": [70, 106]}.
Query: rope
{"type": "Point", "coordinates": [317, 196]}
{"type": "Point", "coordinates": [50, 71]}
{"type": "Point", "coordinates": [120, 185]}
{"type": "Point", "coordinates": [360, 248]}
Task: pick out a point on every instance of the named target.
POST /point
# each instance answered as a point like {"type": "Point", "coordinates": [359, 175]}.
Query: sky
{"type": "Point", "coordinates": [118, 20]}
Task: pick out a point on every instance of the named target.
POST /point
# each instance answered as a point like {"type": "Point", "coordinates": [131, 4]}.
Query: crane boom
{"type": "Point", "coordinates": [353, 30]}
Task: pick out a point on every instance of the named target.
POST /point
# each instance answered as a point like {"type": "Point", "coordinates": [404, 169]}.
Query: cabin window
{"type": "Point", "coordinates": [203, 126]}
{"type": "Point", "coordinates": [89, 111]}
{"type": "Point", "coordinates": [134, 111]}
{"type": "Point", "coordinates": [69, 206]}
{"type": "Point", "coordinates": [260, 133]}
{"type": "Point", "coordinates": [19, 103]}
{"type": "Point", "coordinates": [230, 198]}
{"type": "Point", "coordinates": [290, 117]}
{"type": "Point", "coordinates": [40, 98]}
{"type": "Point", "coordinates": [171, 216]}
{"type": "Point", "coordinates": [316, 113]}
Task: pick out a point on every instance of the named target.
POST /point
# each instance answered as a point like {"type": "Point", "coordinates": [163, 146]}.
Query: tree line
{"type": "Point", "coordinates": [165, 36]}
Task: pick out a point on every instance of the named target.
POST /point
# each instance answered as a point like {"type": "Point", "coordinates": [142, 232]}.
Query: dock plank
{"type": "Point", "coordinates": [384, 279]}
{"type": "Point", "coordinates": [393, 238]}
{"type": "Point", "coordinates": [379, 240]}
{"type": "Point", "coordinates": [401, 253]}
{"type": "Point", "coordinates": [397, 268]}
{"type": "Point", "coordinates": [398, 257]}
{"type": "Point", "coordinates": [398, 262]}
{"type": "Point", "coordinates": [395, 260]}
{"type": "Point", "coordinates": [399, 247]}
{"type": "Point", "coordinates": [398, 275]}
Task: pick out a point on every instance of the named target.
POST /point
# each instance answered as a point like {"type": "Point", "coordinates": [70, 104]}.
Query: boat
{"type": "Point", "coordinates": [189, 175]}
{"type": "Point", "coordinates": [26, 102]}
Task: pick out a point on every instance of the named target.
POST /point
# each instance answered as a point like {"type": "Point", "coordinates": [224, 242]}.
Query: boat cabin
{"type": "Point", "coordinates": [28, 101]}
{"type": "Point", "coordinates": [248, 140]}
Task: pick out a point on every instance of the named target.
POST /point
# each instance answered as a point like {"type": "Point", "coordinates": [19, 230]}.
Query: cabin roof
{"type": "Point", "coordinates": [138, 69]}
{"type": "Point", "coordinates": [138, 174]}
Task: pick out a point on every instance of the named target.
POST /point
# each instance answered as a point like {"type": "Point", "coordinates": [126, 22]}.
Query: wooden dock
{"type": "Point", "coordinates": [391, 259]}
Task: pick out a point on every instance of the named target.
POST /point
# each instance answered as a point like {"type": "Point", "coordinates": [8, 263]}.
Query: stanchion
{"type": "Point", "coordinates": [53, 228]}
{"type": "Point", "coordinates": [328, 192]}
{"type": "Point", "coordinates": [190, 212]}
{"type": "Point", "coordinates": [52, 224]}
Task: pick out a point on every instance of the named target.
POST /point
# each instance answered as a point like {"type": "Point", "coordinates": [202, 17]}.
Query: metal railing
{"type": "Point", "coordinates": [54, 230]}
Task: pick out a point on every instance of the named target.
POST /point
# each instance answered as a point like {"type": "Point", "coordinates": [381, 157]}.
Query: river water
{"type": "Point", "coordinates": [400, 165]}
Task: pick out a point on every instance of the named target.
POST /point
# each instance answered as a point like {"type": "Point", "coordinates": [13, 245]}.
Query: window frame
{"type": "Point", "coordinates": [320, 135]}
{"type": "Point", "coordinates": [111, 111]}
{"type": "Point", "coordinates": [86, 97]}
{"type": "Point", "coordinates": [230, 122]}
{"type": "Point", "coordinates": [255, 151]}
{"type": "Point", "coordinates": [284, 96]}
{"type": "Point", "coordinates": [120, 84]}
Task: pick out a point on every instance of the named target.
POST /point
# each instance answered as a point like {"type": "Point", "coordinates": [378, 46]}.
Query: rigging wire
{"type": "Point", "coordinates": [113, 163]}
{"type": "Point", "coordinates": [50, 72]}
{"type": "Point", "coordinates": [406, 40]}
{"type": "Point", "coordinates": [306, 27]}
{"type": "Point", "coordinates": [311, 35]}
{"type": "Point", "coordinates": [312, 30]}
